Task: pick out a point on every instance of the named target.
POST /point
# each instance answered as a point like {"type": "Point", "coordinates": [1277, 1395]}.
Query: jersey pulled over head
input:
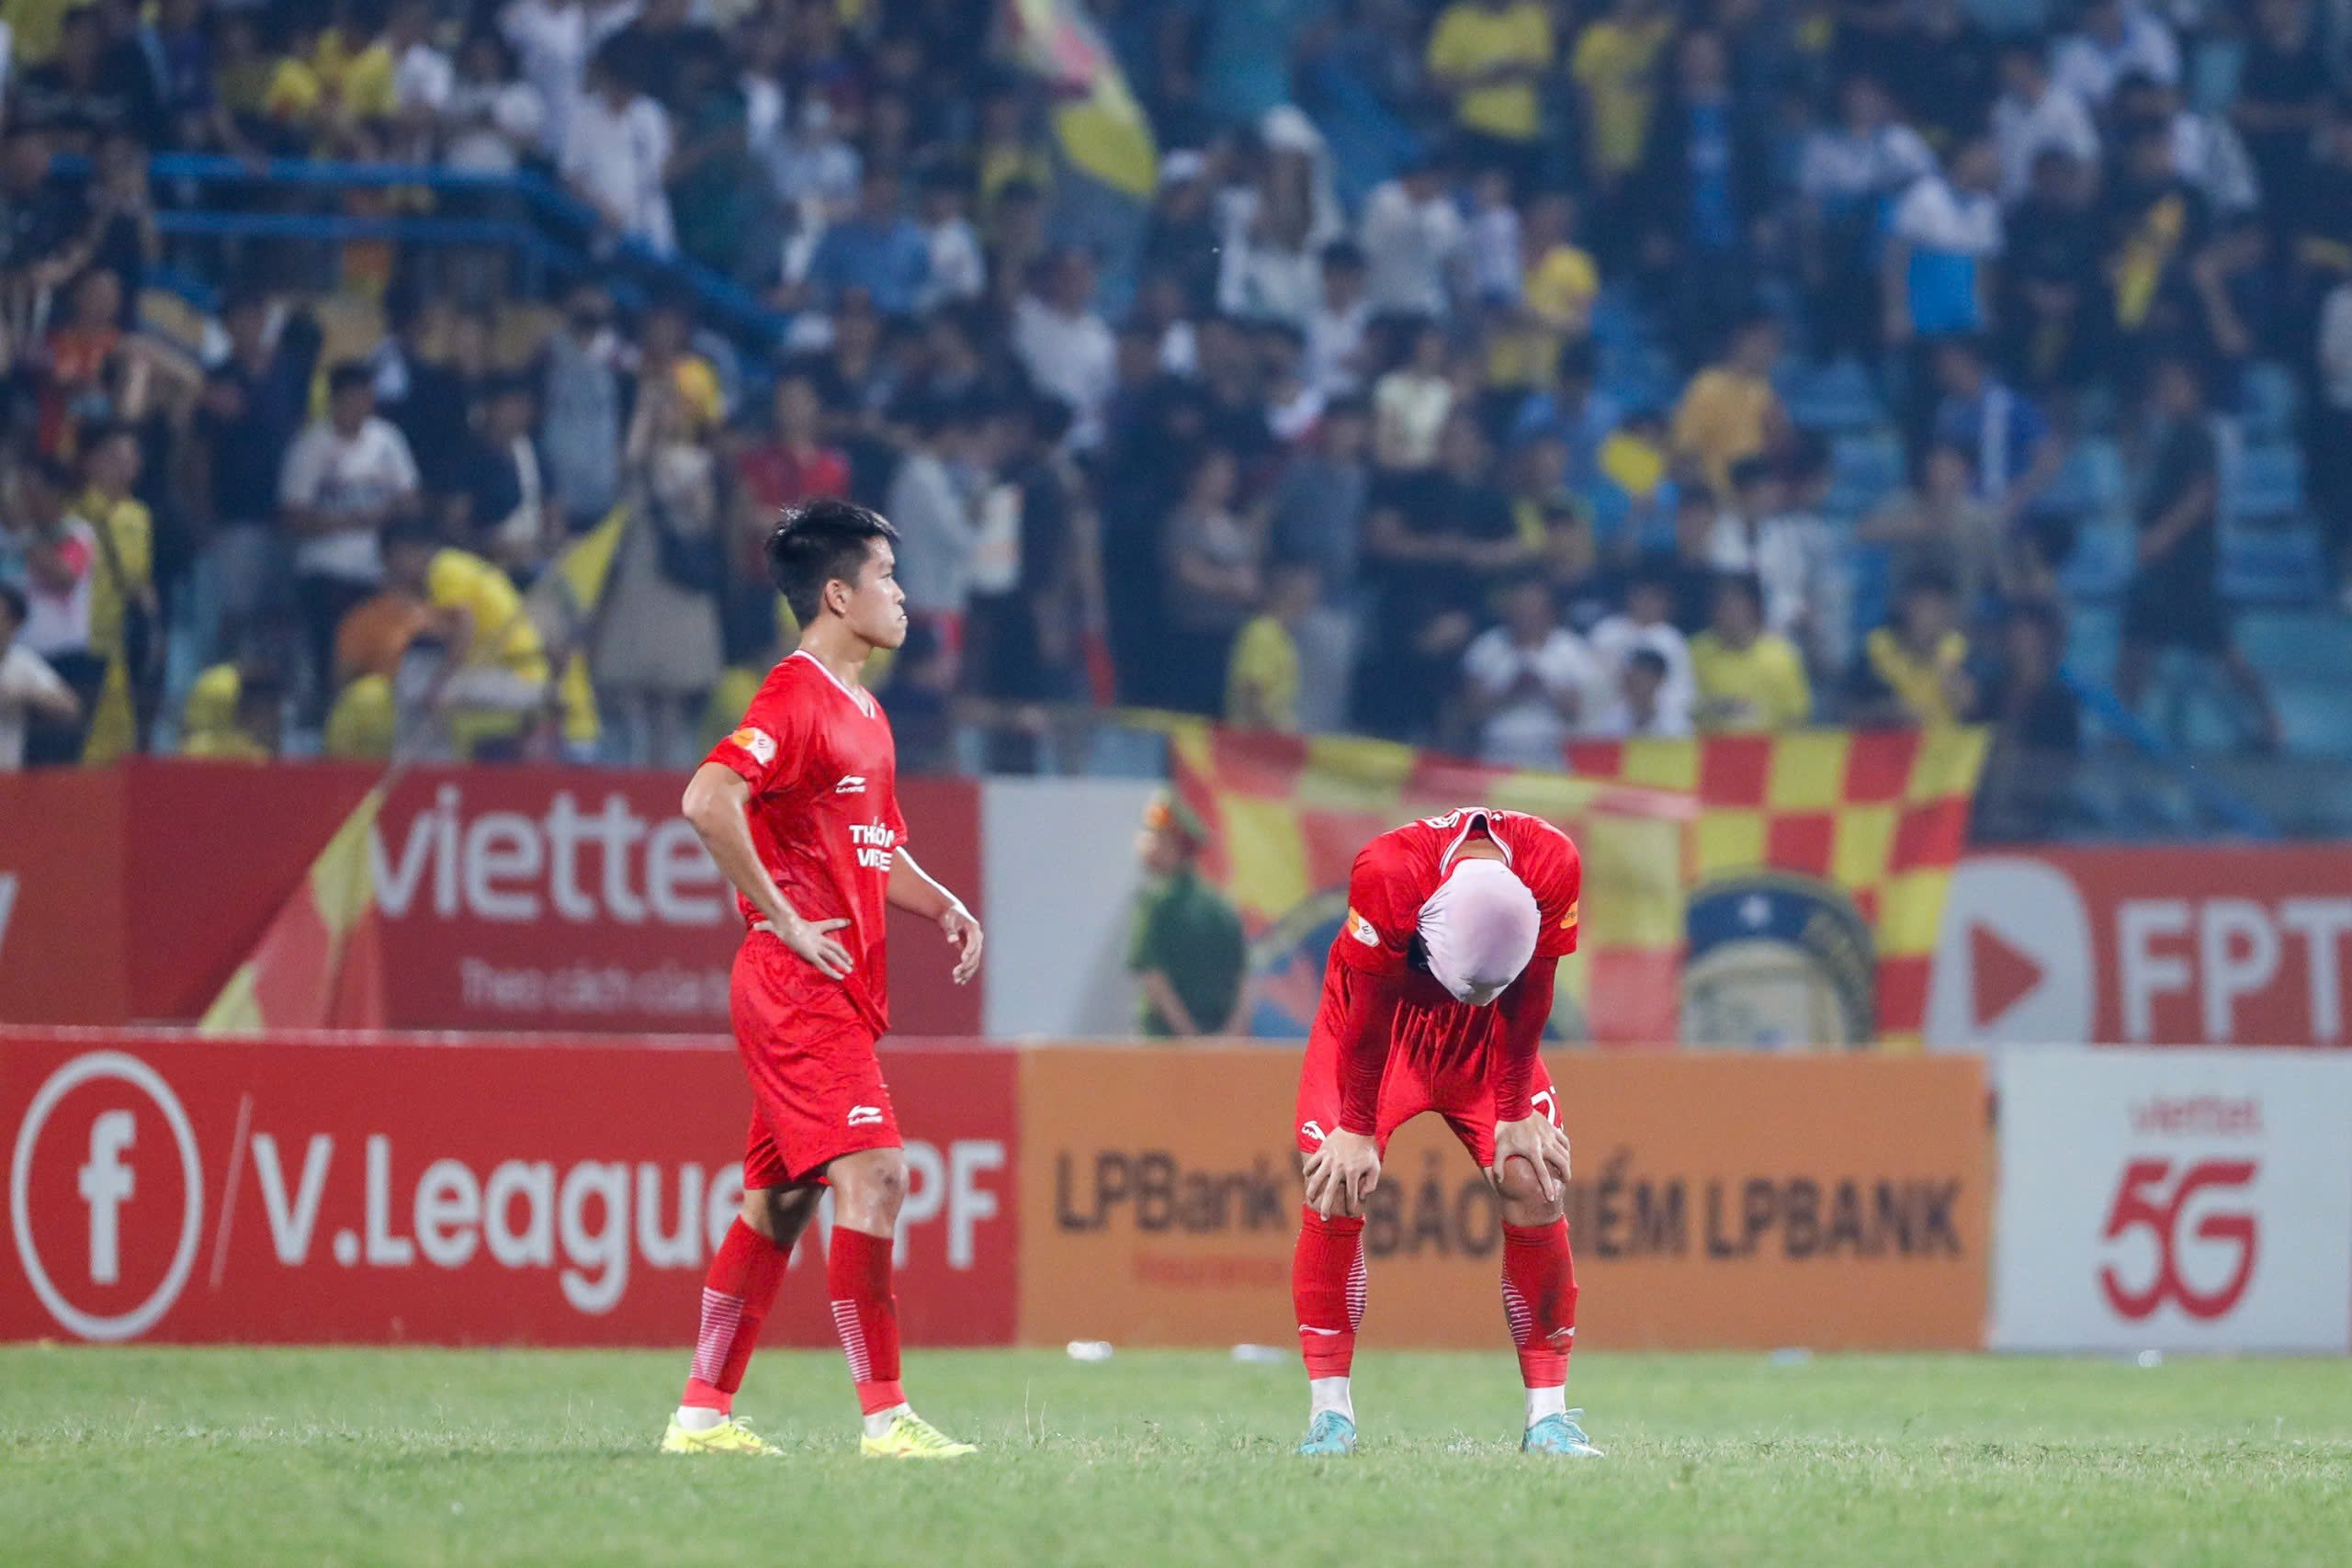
{"type": "Point", "coordinates": [1479, 930]}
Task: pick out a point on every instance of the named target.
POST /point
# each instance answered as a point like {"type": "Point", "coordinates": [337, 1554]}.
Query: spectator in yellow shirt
{"type": "Point", "coordinates": [1261, 683]}
{"type": "Point", "coordinates": [1730, 410]}
{"type": "Point", "coordinates": [1557, 288]}
{"type": "Point", "coordinates": [492, 674]}
{"type": "Point", "coordinates": [1615, 63]}
{"type": "Point", "coordinates": [125, 618]}
{"type": "Point", "coordinates": [1914, 670]}
{"type": "Point", "coordinates": [242, 715]}
{"type": "Point", "coordinates": [1748, 679]}
{"type": "Point", "coordinates": [1488, 55]}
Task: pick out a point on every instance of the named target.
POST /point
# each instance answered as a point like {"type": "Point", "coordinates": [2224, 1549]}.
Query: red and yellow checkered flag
{"type": "Point", "coordinates": [1879, 816]}
{"type": "Point", "coordinates": [1287, 817]}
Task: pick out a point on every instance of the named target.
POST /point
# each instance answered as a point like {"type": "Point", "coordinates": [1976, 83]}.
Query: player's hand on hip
{"type": "Point", "coordinates": [1341, 1174]}
{"type": "Point", "coordinates": [963, 935]}
{"type": "Point", "coordinates": [1544, 1146]}
{"type": "Point", "coordinates": [813, 939]}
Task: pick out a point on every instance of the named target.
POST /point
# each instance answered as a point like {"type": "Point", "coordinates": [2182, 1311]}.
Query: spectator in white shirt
{"type": "Point", "coordinates": [1412, 238]}
{"type": "Point", "coordinates": [2035, 115]}
{"type": "Point", "coordinates": [27, 685]}
{"type": "Point", "coordinates": [817, 177]}
{"type": "Point", "coordinates": [617, 151]}
{"type": "Point", "coordinates": [1335, 327]}
{"type": "Point", "coordinates": [1525, 683]}
{"type": "Point", "coordinates": [957, 270]}
{"type": "Point", "coordinates": [1944, 237]}
{"type": "Point", "coordinates": [1491, 241]}
{"type": "Point", "coordinates": [489, 120]}
{"type": "Point", "coordinates": [2117, 39]}
{"type": "Point", "coordinates": [553, 40]}
{"type": "Point", "coordinates": [1794, 554]}
{"type": "Point", "coordinates": [345, 477]}
{"type": "Point", "coordinates": [935, 519]}
{"type": "Point", "coordinates": [2207, 151]}
{"type": "Point", "coordinates": [422, 76]}
{"type": "Point", "coordinates": [1411, 403]}
{"type": "Point", "coordinates": [1063, 344]}
{"type": "Point", "coordinates": [1647, 625]}
{"type": "Point", "coordinates": [1848, 175]}
{"type": "Point", "coordinates": [1640, 710]}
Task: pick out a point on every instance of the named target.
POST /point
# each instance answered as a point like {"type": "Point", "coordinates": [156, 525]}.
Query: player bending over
{"type": "Point", "coordinates": [800, 808]}
{"type": "Point", "coordinates": [1434, 999]}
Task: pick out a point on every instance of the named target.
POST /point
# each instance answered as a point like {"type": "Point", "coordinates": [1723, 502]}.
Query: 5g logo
{"type": "Point", "coordinates": [2143, 1203]}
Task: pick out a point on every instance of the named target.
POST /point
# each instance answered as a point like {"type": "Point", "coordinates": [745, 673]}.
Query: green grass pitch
{"type": "Point", "coordinates": [260, 1458]}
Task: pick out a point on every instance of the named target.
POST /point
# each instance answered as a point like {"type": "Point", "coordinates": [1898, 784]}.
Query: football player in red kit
{"type": "Point", "coordinates": [1434, 998]}
{"type": "Point", "coordinates": [799, 809]}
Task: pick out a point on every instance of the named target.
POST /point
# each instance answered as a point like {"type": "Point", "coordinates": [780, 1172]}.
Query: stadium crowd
{"type": "Point", "coordinates": [1470, 436]}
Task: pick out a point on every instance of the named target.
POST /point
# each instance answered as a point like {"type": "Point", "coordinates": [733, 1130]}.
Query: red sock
{"type": "Point", "coordinates": [1326, 1288]}
{"type": "Point", "coordinates": [1540, 1300]}
{"type": "Point", "coordinates": [866, 1314]}
{"type": "Point", "coordinates": [736, 1295]}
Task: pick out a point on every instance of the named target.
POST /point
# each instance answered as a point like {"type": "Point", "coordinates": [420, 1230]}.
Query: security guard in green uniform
{"type": "Point", "coordinates": [1187, 953]}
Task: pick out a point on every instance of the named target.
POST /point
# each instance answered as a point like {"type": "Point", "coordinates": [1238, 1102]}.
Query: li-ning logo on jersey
{"type": "Point", "coordinates": [1568, 920]}
{"type": "Point", "coordinates": [1360, 929]}
{"type": "Point", "coordinates": [864, 1115]}
{"type": "Point", "coordinates": [852, 784]}
{"type": "Point", "coordinates": [758, 742]}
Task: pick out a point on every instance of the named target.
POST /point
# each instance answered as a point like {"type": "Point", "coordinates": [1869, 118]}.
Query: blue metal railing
{"type": "Point", "coordinates": [724, 299]}
{"type": "Point", "coordinates": [2225, 805]}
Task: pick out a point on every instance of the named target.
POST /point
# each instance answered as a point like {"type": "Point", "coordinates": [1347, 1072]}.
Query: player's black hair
{"type": "Point", "coordinates": [1648, 660]}
{"type": "Point", "coordinates": [819, 542]}
{"type": "Point", "coordinates": [18, 606]}
{"type": "Point", "coordinates": [1752, 470]}
{"type": "Point", "coordinates": [348, 374]}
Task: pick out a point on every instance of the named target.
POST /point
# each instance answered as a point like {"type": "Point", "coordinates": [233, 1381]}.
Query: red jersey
{"type": "Point", "coordinates": [824, 813]}
{"type": "Point", "coordinates": [1433, 1034]}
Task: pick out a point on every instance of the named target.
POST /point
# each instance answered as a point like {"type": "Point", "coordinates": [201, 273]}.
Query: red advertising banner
{"type": "Point", "coordinates": [511, 898]}
{"type": "Point", "coordinates": [61, 927]}
{"type": "Point", "coordinates": [167, 1188]}
{"type": "Point", "coordinates": [2225, 946]}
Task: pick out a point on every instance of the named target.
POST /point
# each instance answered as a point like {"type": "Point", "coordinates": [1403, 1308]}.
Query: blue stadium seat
{"type": "Point", "coordinates": [2091, 483]}
{"type": "Point", "coordinates": [2102, 559]}
{"type": "Point", "coordinates": [2272, 407]}
{"type": "Point", "coordinates": [1864, 468]}
{"type": "Point", "coordinates": [2266, 482]}
{"type": "Point", "coordinates": [1835, 397]}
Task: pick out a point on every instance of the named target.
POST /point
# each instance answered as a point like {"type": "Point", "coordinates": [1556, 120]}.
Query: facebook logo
{"type": "Point", "coordinates": [106, 1195]}
{"type": "Point", "coordinates": [106, 1184]}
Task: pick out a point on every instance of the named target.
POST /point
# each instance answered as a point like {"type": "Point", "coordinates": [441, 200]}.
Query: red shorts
{"type": "Point", "coordinates": [817, 1089]}
{"type": "Point", "coordinates": [1453, 1077]}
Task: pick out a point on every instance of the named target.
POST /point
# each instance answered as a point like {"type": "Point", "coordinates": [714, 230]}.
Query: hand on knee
{"type": "Point", "coordinates": [1523, 1203]}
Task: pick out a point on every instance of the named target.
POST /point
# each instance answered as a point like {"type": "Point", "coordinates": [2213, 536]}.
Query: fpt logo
{"type": "Point", "coordinates": [106, 1197]}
